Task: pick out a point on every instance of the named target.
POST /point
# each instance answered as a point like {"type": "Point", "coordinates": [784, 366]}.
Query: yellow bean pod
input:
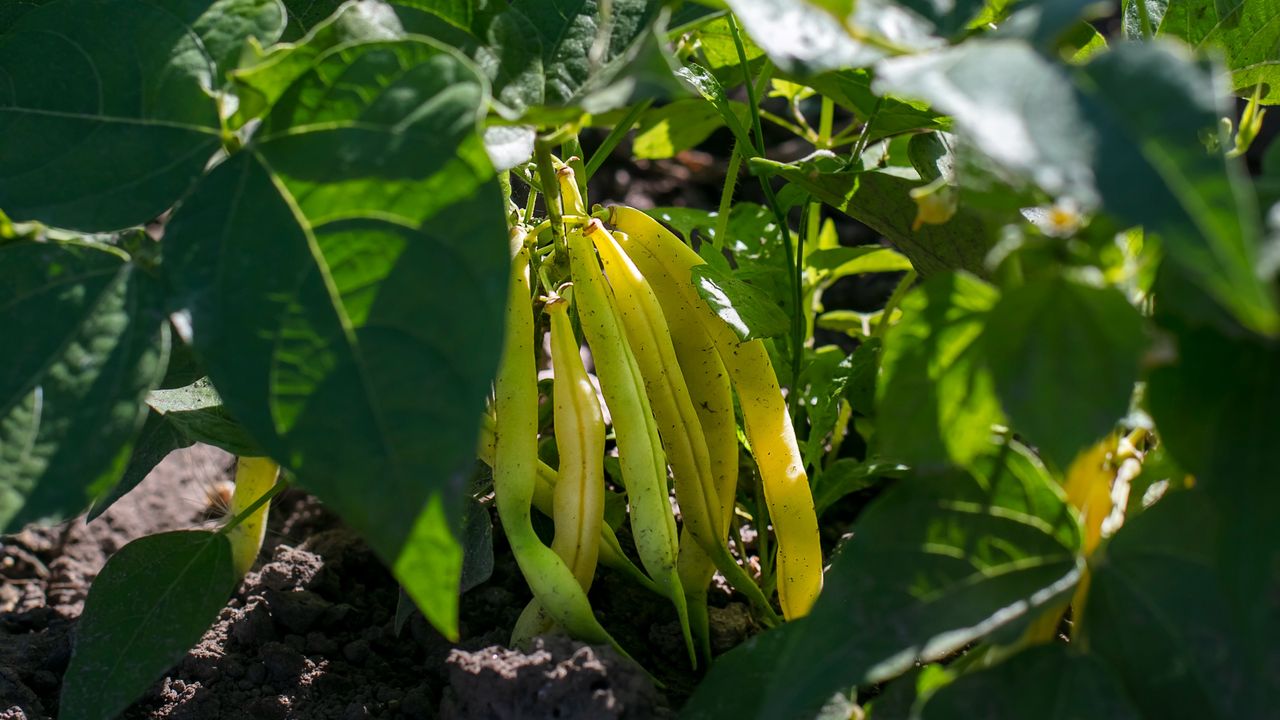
{"type": "Point", "coordinates": [611, 553]}
{"type": "Point", "coordinates": [579, 493]}
{"type": "Point", "coordinates": [678, 423]}
{"type": "Point", "coordinates": [254, 477]}
{"type": "Point", "coordinates": [644, 467]}
{"type": "Point", "coordinates": [515, 466]}
{"type": "Point", "coordinates": [668, 263]}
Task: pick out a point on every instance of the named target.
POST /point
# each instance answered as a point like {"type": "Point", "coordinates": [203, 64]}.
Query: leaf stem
{"type": "Point", "coordinates": [894, 300]}
{"type": "Point", "coordinates": [550, 188]}
{"type": "Point", "coordinates": [797, 321]}
{"type": "Point", "coordinates": [614, 137]}
{"type": "Point", "coordinates": [726, 196]}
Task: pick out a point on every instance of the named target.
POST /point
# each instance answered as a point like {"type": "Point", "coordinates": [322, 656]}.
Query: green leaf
{"type": "Point", "coordinates": [155, 441]}
{"type": "Point", "coordinates": [1047, 682]}
{"type": "Point", "coordinates": [261, 82]}
{"type": "Point", "coordinates": [750, 312]}
{"type": "Point", "coordinates": [152, 601]}
{"type": "Point", "coordinates": [196, 412]}
{"type": "Point", "coordinates": [851, 89]}
{"type": "Point", "coordinates": [1065, 358]}
{"type": "Point", "coordinates": [835, 263]}
{"type": "Point", "coordinates": [344, 280]}
{"type": "Point", "coordinates": [880, 199]}
{"type": "Point", "coordinates": [226, 26]}
{"type": "Point", "coordinates": [1185, 613]}
{"type": "Point", "coordinates": [1217, 408]}
{"type": "Point", "coordinates": [1246, 31]}
{"type": "Point", "coordinates": [305, 15]}
{"type": "Point", "coordinates": [85, 340]}
{"type": "Point", "coordinates": [102, 130]}
{"type": "Point", "coordinates": [590, 60]}
{"type": "Point", "coordinates": [675, 127]}
{"type": "Point", "coordinates": [847, 476]}
{"type": "Point", "coordinates": [934, 563]}
{"type": "Point", "coordinates": [823, 380]}
{"type": "Point", "coordinates": [936, 401]}
{"type": "Point", "coordinates": [1073, 132]}
{"type": "Point", "coordinates": [803, 38]}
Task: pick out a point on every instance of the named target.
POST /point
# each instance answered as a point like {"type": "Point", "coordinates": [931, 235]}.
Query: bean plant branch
{"type": "Point", "coordinates": [797, 322]}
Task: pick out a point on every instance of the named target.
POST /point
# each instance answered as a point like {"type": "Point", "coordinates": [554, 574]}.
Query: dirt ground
{"type": "Point", "coordinates": [310, 632]}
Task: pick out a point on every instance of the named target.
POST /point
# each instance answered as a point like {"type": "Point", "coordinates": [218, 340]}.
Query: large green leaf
{"type": "Point", "coordinates": [157, 438]}
{"type": "Point", "coordinates": [750, 312]}
{"type": "Point", "coordinates": [152, 601]}
{"type": "Point", "coordinates": [1065, 359]}
{"type": "Point", "coordinates": [261, 81]}
{"type": "Point", "coordinates": [197, 413]}
{"type": "Point", "coordinates": [936, 402]}
{"type": "Point", "coordinates": [934, 563]}
{"type": "Point", "coordinates": [1123, 133]}
{"type": "Point", "coordinates": [1218, 408]}
{"type": "Point", "coordinates": [85, 339]}
{"type": "Point", "coordinates": [344, 279]}
{"type": "Point", "coordinates": [804, 37]}
{"type": "Point", "coordinates": [1247, 32]}
{"type": "Point", "coordinates": [851, 89]}
{"type": "Point", "coordinates": [1188, 614]}
{"type": "Point", "coordinates": [1047, 682]}
{"type": "Point", "coordinates": [572, 54]}
{"type": "Point", "coordinates": [101, 130]}
{"type": "Point", "coordinates": [881, 200]}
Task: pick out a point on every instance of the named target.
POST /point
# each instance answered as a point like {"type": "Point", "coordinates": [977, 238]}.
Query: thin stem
{"type": "Point", "coordinates": [550, 188]}
{"type": "Point", "coordinates": [894, 300]}
{"type": "Point", "coordinates": [254, 506]}
{"type": "Point", "coordinates": [614, 137]}
{"type": "Point", "coordinates": [865, 137]}
{"type": "Point", "coordinates": [825, 120]}
{"type": "Point", "coordinates": [784, 123]}
{"type": "Point", "coordinates": [810, 133]}
{"type": "Point", "coordinates": [528, 206]}
{"type": "Point", "coordinates": [797, 322]}
{"type": "Point", "coordinates": [726, 196]}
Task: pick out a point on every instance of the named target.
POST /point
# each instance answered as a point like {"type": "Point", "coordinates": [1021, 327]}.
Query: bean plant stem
{"type": "Point", "coordinates": [550, 189]}
{"type": "Point", "coordinates": [614, 137]}
{"type": "Point", "coordinates": [892, 304]}
{"type": "Point", "coordinates": [797, 321]}
{"type": "Point", "coordinates": [726, 196]}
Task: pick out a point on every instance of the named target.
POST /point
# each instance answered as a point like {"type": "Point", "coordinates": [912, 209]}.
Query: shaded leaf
{"type": "Point", "coordinates": [85, 340]}
{"type": "Point", "coordinates": [1247, 32]}
{"type": "Point", "coordinates": [936, 563]}
{"type": "Point", "coordinates": [344, 280]}
{"type": "Point", "coordinates": [1071, 132]}
{"type": "Point", "coordinates": [1217, 408]}
{"type": "Point", "coordinates": [176, 581]}
{"type": "Point", "coordinates": [155, 441]}
{"type": "Point", "coordinates": [881, 200]}
{"type": "Point", "coordinates": [98, 130]}
{"type": "Point", "coordinates": [1047, 682]}
{"type": "Point", "coordinates": [1065, 357]}
{"type": "Point", "coordinates": [1168, 607]}
{"type": "Point", "coordinates": [936, 401]}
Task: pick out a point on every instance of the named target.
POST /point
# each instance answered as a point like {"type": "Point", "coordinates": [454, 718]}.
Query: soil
{"type": "Point", "coordinates": [310, 633]}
